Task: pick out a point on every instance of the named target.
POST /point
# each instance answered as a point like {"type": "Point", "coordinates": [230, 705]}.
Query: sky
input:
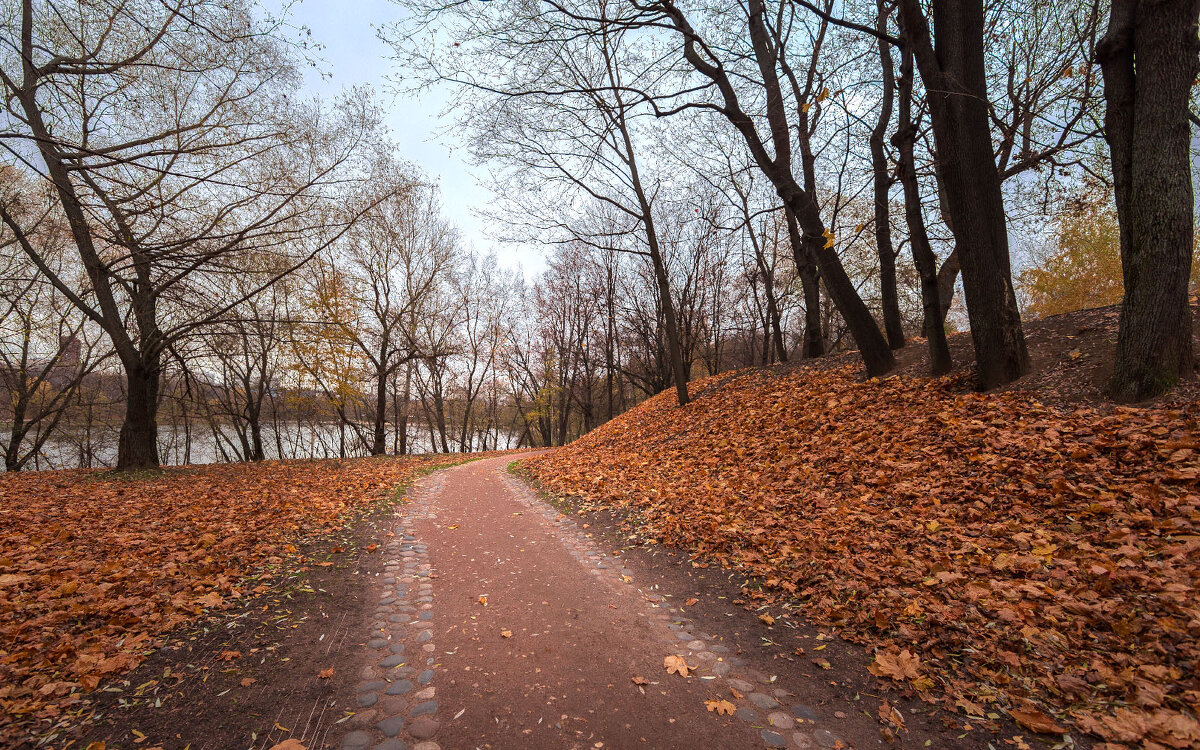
{"type": "Point", "coordinates": [354, 55]}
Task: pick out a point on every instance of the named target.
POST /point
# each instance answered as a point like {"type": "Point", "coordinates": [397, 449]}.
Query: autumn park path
{"type": "Point", "coordinates": [526, 636]}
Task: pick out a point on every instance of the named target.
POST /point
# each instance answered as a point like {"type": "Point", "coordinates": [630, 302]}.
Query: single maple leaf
{"type": "Point", "coordinates": [767, 619]}
{"type": "Point", "coordinates": [1036, 721]}
{"type": "Point", "coordinates": [690, 602]}
{"type": "Point", "coordinates": [676, 665]}
{"type": "Point", "coordinates": [722, 707]}
{"type": "Point", "coordinates": [230, 655]}
{"type": "Point", "coordinates": [898, 666]}
{"type": "Point", "coordinates": [248, 681]}
{"type": "Point", "coordinates": [325, 674]}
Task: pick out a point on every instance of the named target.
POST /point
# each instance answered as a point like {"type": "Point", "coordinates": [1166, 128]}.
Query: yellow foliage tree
{"type": "Point", "coordinates": [1084, 269]}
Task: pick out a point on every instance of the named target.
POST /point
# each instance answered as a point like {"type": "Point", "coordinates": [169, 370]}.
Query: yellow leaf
{"type": "Point", "coordinates": [805, 107]}
{"type": "Point", "coordinates": [281, 728]}
{"type": "Point", "coordinates": [452, 526]}
{"type": "Point", "coordinates": [506, 634]}
{"type": "Point", "coordinates": [722, 707]}
{"type": "Point", "coordinates": [766, 619]}
{"type": "Point", "coordinates": [483, 600]}
{"type": "Point", "coordinates": [823, 95]}
{"type": "Point", "coordinates": [676, 665]}
{"type": "Point", "coordinates": [828, 235]}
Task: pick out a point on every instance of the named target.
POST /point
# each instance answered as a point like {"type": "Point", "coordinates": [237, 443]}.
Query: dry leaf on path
{"type": "Point", "coordinates": [288, 744]}
{"type": "Point", "coordinates": [722, 707]}
{"type": "Point", "coordinates": [506, 634]}
{"type": "Point", "coordinates": [1036, 721]}
{"type": "Point", "coordinates": [904, 665]}
{"type": "Point", "coordinates": [676, 665]}
{"type": "Point", "coordinates": [325, 674]}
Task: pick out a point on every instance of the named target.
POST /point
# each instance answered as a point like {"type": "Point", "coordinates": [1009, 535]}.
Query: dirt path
{"type": "Point", "coordinates": [550, 661]}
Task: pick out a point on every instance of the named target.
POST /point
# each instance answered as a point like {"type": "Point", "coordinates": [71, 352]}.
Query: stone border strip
{"type": "Point", "coordinates": [395, 699]}
{"type": "Point", "coordinates": [780, 722]}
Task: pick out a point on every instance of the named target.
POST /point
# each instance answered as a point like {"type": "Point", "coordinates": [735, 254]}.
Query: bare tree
{"type": "Point", "coordinates": [175, 153]}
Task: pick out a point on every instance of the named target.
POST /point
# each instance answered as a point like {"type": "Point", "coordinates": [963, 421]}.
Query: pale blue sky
{"type": "Point", "coordinates": [353, 55]}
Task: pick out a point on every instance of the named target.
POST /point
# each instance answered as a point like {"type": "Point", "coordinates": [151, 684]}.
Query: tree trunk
{"type": "Point", "coordinates": [137, 446]}
{"type": "Point", "coordinates": [810, 282]}
{"type": "Point", "coordinates": [1149, 61]}
{"type": "Point", "coordinates": [402, 421]}
{"type": "Point", "coordinates": [956, 83]}
{"type": "Point", "coordinates": [923, 256]}
{"type": "Point", "coordinates": [888, 295]}
{"type": "Point", "coordinates": [379, 435]}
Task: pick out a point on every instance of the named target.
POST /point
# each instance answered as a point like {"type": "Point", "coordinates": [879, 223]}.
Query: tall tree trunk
{"type": "Point", "coordinates": [1149, 60]}
{"type": "Point", "coordinates": [923, 256]}
{"type": "Point", "coordinates": [956, 83]}
{"type": "Point", "coordinates": [402, 420]}
{"type": "Point", "coordinates": [888, 295]}
{"type": "Point", "coordinates": [810, 282]}
{"type": "Point", "coordinates": [137, 446]}
{"type": "Point", "coordinates": [379, 434]}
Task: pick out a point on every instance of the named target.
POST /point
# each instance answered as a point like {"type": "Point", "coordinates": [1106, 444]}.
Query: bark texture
{"type": "Point", "coordinates": [1149, 58]}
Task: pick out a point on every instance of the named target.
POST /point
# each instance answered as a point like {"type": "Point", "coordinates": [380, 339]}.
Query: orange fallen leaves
{"type": "Point", "coordinates": [902, 665]}
{"type": "Point", "coordinates": [95, 567]}
{"type": "Point", "coordinates": [676, 665]}
{"type": "Point", "coordinates": [1027, 557]}
{"type": "Point", "coordinates": [722, 707]}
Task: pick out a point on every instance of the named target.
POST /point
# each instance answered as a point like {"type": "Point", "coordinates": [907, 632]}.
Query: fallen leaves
{"type": "Point", "coordinates": [721, 706]}
{"type": "Point", "coordinates": [676, 665]}
{"type": "Point", "coordinates": [96, 567]}
{"type": "Point", "coordinates": [288, 744]}
{"type": "Point", "coordinates": [899, 665]}
{"type": "Point", "coordinates": [325, 674]}
{"type": "Point", "coordinates": [506, 633]}
{"type": "Point", "coordinates": [1024, 557]}
{"type": "Point", "coordinates": [483, 600]}
{"type": "Point", "coordinates": [1036, 721]}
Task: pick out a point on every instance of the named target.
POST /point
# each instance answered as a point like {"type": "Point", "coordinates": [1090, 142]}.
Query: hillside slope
{"type": "Point", "coordinates": [1037, 561]}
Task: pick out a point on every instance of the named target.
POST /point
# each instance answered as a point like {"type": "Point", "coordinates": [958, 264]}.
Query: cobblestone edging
{"type": "Point", "coordinates": [395, 699]}
{"type": "Point", "coordinates": [780, 722]}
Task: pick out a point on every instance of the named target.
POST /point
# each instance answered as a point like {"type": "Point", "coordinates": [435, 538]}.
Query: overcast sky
{"type": "Point", "coordinates": [354, 55]}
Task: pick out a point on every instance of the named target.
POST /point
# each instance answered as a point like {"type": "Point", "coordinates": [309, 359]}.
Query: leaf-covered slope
{"type": "Point", "coordinates": [1034, 560]}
